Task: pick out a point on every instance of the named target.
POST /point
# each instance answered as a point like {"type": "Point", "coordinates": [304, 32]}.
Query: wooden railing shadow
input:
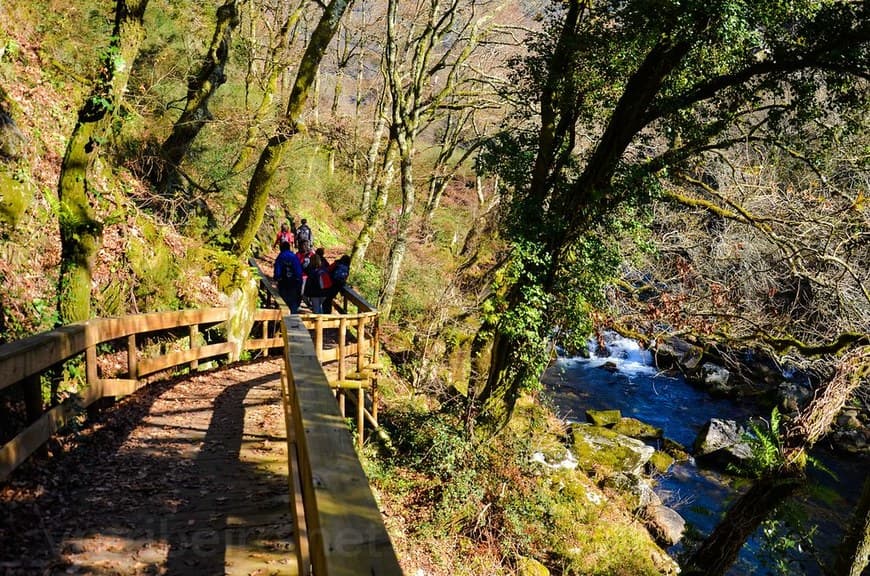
{"type": "Point", "coordinates": [339, 528]}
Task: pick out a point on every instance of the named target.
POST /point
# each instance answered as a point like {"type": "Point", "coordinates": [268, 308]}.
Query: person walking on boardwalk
{"type": "Point", "coordinates": [338, 273]}
{"type": "Point", "coordinates": [304, 234]}
{"type": "Point", "coordinates": [288, 275]}
{"type": "Point", "coordinates": [284, 235]}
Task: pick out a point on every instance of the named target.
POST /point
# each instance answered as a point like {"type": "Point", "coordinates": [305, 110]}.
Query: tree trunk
{"type": "Point", "coordinates": [854, 553]}
{"type": "Point", "coordinates": [375, 214]}
{"type": "Point", "coordinates": [278, 66]}
{"type": "Point", "coordinates": [400, 243]}
{"type": "Point", "coordinates": [372, 157]}
{"type": "Point", "coordinates": [251, 217]}
{"type": "Point", "coordinates": [80, 231]}
{"type": "Point", "coordinates": [200, 89]}
{"type": "Point", "coordinates": [719, 551]}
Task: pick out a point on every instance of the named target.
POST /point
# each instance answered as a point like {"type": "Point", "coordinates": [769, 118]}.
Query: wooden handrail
{"type": "Point", "coordinates": [339, 528]}
{"type": "Point", "coordinates": [346, 533]}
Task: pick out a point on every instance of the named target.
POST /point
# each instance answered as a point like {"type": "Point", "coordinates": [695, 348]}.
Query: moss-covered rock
{"type": "Point", "coordinates": [634, 428]}
{"type": "Point", "coordinates": [661, 462]}
{"type": "Point", "coordinates": [675, 450]}
{"type": "Point", "coordinates": [603, 451]}
{"type": "Point", "coordinates": [603, 417]}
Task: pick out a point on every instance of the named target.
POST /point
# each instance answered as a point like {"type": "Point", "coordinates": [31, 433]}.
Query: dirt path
{"type": "Point", "coordinates": [185, 477]}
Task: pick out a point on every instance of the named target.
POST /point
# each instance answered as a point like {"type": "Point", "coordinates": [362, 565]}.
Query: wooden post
{"type": "Point", "coordinates": [265, 333]}
{"type": "Point", "coordinates": [132, 358]}
{"type": "Point", "coordinates": [94, 392]}
{"type": "Point", "coordinates": [360, 414]}
{"type": "Point", "coordinates": [342, 369]}
{"type": "Point", "coordinates": [376, 351]}
{"type": "Point", "coordinates": [361, 344]}
{"type": "Point", "coordinates": [318, 338]}
{"type": "Point", "coordinates": [194, 343]}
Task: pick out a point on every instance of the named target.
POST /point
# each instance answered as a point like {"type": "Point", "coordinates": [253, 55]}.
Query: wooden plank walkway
{"type": "Point", "coordinates": [186, 477]}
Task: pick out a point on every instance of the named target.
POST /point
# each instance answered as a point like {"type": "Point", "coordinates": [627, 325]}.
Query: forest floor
{"type": "Point", "coordinates": [187, 476]}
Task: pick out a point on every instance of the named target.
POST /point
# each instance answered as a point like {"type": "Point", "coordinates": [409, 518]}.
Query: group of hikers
{"type": "Point", "coordinates": [306, 273]}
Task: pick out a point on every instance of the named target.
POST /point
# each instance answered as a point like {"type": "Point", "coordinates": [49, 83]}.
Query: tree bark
{"type": "Point", "coordinates": [245, 228]}
{"type": "Point", "coordinates": [201, 87]}
{"type": "Point", "coordinates": [403, 225]}
{"type": "Point", "coordinates": [375, 214]}
{"type": "Point", "coordinates": [719, 551]}
{"type": "Point", "coordinates": [854, 553]}
{"type": "Point", "coordinates": [279, 64]}
{"type": "Point", "coordinates": [80, 229]}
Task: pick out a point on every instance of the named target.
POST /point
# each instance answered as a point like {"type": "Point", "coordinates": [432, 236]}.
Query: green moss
{"type": "Point", "coordinates": [675, 449]}
{"type": "Point", "coordinates": [636, 429]}
{"type": "Point", "coordinates": [15, 196]}
{"type": "Point", "coordinates": [531, 567]}
{"type": "Point", "coordinates": [603, 417]}
{"type": "Point", "coordinates": [603, 451]}
{"type": "Point", "coordinates": [661, 462]}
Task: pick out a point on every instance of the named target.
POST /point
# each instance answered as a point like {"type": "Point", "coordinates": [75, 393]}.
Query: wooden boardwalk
{"type": "Point", "coordinates": [185, 477]}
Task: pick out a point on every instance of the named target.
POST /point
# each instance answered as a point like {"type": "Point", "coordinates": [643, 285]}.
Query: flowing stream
{"type": "Point", "coordinates": [627, 380]}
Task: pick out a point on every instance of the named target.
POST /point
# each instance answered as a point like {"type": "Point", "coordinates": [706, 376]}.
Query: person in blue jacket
{"type": "Point", "coordinates": [288, 275]}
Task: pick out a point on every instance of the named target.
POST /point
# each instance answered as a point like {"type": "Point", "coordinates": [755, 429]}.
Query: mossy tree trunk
{"type": "Point", "coordinates": [80, 229]}
{"type": "Point", "coordinates": [245, 227]}
{"type": "Point", "coordinates": [854, 554]}
{"type": "Point", "coordinates": [200, 88]}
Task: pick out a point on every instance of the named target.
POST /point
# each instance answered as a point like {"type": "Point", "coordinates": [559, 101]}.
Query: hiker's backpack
{"type": "Point", "coordinates": [340, 273]}
{"type": "Point", "coordinates": [288, 272]}
{"type": "Point", "coordinates": [303, 234]}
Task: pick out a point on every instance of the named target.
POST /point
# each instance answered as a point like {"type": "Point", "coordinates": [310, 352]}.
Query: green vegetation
{"type": "Point", "coordinates": [695, 167]}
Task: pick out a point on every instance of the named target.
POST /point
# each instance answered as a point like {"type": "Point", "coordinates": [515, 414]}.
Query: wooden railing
{"type": "Point", "coordinates": [356, 336]}
{"type": "Point", "coordinates": [339, 528]}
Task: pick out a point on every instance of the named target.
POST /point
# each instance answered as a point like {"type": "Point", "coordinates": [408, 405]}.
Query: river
{"type": "Point", "coordinates": [701, 495]}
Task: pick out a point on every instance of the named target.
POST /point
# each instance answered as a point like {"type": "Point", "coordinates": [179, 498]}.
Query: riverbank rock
{"type": "Point", "coordinates": [664, 524]}
{"type": "Point", "coordinates": [603, 451]}
{"type": "Point", "coordinates": [674, 353]}
{"type": "Point", "coordinates": [661, 462]}
{"type": "Point", "coordinates": [634, 428]}
{"type": "Point", "coordinates": [721, 443]}
{"type": "Point", "coordinates": [717, 379]}
{"type": "Point", "coordinates": [637, 491]}
{"type": "Point", "coordinates": [604, 418]}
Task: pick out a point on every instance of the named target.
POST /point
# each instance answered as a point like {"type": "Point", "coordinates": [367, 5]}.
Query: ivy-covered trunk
{"type": "Point", "coordinates": [80, 229]}
{"type": "Point", "coordinates": [251, 217]}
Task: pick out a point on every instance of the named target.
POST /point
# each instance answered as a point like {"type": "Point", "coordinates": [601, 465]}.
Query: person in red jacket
{"type": "Point", "coordinates": [284, 235]}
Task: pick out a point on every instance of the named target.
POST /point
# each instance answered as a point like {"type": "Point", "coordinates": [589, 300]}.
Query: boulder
{"type": "Point", "coordinates": [665, 524]}
{"type": "Point", "coordinates": [12, 141]}
{"type": "Point", "coordinates": [661, 462]}
{"type": "Point", "coordinates": [636, 490]}
{"type": "Point", "coordinates": [721, 443]}
{"type": "Point", "coordinates": [716, 379]}
{"type": "Point", "coordinates": [676, 450]}
{"type": "Point", "coordinates": [604, 451]}
{"type": "Point", "coordinates": [675, 353]}
{"type": "Point", "coordinates": [603, 417]}
{"type": "Point", "coordinates": [634, 428]}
